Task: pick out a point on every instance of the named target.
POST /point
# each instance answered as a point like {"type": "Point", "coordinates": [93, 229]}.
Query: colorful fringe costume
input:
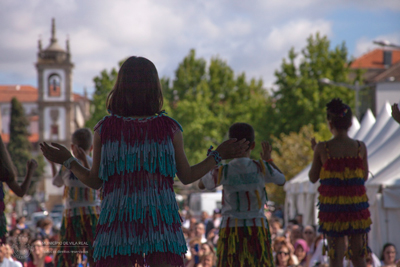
{"type": "Point", "coordinates": [3, 221]}
{"type": "Point", "coordinates": [244, 236]}
{"type": "Point", "coordinates": [82, 209]}
{"type": "Point", "coordinates": [343, 203]}
{"type": "Point", "coordinates": [139, 220]}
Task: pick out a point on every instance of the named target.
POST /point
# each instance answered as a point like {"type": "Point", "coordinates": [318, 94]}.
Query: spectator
{"type": "Point", "coordinates": [283, 257]}
{"type": "Point", "coordinates": [278, 212]}
{"type": "Point", "coordinates": [309, 236]}
{"type": "Point", "coordinates": [8, 252]}
{"type": "Point", "coordinates": [214, 222]}
{"type": "Point", "coordinates": [195, 252]}
{"type": "Point", "coordinates": [276, 228]}
{"type": "Point", "coordinates": [388, 257]}
{"type": "Point", "coordinates": [200, 231]}
{"type": "Point", "coordinates": [21, 223]}
{"type": "Point", "coordinates": [21, 251]}
{"type": "Point", "coordinates": [13, 235]}
{"type": "Point", "coordinates": [204, 218]}
{"type": "Point", "coordinates": [45, 228]}
{"type": "Point", "coordinates": [207, 248]}
{"type": "Point", "coordinates": [296, 233]}
{"type": "Point", "coordinates": [208, 260]}
{"type": "Point", "coordinates": [300, 250]}
{"type": "Point", "coordinates": [38, 256]}
{"type": "Point", "coordinates": [317, 258]}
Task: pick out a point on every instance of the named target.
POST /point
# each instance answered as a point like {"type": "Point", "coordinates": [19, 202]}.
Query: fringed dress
{"type": "Point", "coordinates": [139, 220]}
{"type": "Point", "coordinates": [3, 221]}
{"type": "Point", "coordinates": [82, 209]}
{"type": "Point", "coordinates": [244, 236]}
{"type": "Point", "coordinates": [343, 202]}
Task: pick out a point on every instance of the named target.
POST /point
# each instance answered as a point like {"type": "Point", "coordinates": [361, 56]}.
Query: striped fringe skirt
{"type": "Point", "coordinates": [77, 233]}
{"type": "Point", "coordinates": [245, 246]}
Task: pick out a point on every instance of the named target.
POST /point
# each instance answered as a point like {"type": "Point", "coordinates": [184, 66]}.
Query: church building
{"type": "Point", "coordinates": [53, 110]}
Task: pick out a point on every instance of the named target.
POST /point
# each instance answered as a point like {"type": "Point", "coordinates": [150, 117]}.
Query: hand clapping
{"type": "Point", "coordinates": [56, 153]}
{"type": "Point", "coordinates": [232, 148]}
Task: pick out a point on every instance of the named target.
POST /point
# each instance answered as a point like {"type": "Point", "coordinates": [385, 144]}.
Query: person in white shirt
{"type": "Point", "coordinates": [82, 204]}
{"type": "Point", "coordinates": [4, 261]}
{"type": "Point", "coordinates": [244, 235]}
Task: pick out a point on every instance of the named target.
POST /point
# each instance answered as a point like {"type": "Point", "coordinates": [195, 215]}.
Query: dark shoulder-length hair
{"type": "Point", "coordinates": [137, 91]}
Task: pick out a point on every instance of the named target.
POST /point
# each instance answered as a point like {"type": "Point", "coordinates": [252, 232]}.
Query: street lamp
{"type": "Point", "coordinates": [386, 43]}
{"type": "Point", "coordinates": [356, 87]}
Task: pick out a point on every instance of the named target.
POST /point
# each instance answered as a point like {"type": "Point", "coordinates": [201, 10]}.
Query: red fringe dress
{"type": "Point", "coordinates": [343, 203]}
{"type": "Point", "coordinates": [139, 219]}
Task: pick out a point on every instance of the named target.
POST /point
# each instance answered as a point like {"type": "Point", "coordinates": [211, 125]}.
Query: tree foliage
{"type": "Point", "coordinates": [292, 154]}
{"type": "Point", "coordinates": [19, 146]}
{"type": "Point", "coordinates": [300, 98]}
{"type": "Point", "coordinates": [104, 83]}
{"type": "Point", "coordinates": [207, 99]}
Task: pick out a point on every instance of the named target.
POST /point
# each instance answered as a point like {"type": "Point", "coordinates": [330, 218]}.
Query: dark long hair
{"type": "Point", "coordinates": [137, 91]}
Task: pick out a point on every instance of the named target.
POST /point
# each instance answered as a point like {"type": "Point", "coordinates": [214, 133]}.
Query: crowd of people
{"type": "Point", "coordinates": [292, 245]}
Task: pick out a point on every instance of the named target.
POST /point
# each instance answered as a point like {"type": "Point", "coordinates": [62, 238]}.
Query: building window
{"type": "Point", "coordinates": [54, 83]}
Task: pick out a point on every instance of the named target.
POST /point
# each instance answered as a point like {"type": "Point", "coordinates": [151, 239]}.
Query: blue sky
{"type": "Point", "coordinates": [252, 36]}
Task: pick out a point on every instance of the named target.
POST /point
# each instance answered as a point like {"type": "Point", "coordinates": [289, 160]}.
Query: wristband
{"type": "Point", "coordinates": [215, 154]}
{"type": "Point", "coordinates": [270, 160]}
{"type": "Point", "coordinates": [67, 163]}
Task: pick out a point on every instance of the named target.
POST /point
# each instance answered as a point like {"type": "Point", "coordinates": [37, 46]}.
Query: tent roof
{"type": "Point", "coordinates": [366, 124]}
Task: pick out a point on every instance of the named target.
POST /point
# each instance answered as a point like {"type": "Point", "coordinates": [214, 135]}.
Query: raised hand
{"type": "Point", "coordinates": [396, 112]}
{"type": "Point", "coordinates": [232, 148]}
{"type": "Point", "coordinates": [267, 149]}
{"type": "Point", "coordinates": [56, 153]}
{"type": "Point", "coordinates": [313, 143]}
{"type": "Point", "coordinates": [31, 165]}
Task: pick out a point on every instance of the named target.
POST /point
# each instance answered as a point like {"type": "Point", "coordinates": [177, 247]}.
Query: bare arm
{"type": "Point", "coordinates": [89, 177]}
{"type": "Point", "coordinates": [365, 161]}
{"type": "Point", "coordinates": [189, 174]}
{"type": "Point", "coordinates": [53, 168]}
{"type": "Point", "coordinates": [20, 190]}
{"type": "Point", "coordinates": [316, 164]}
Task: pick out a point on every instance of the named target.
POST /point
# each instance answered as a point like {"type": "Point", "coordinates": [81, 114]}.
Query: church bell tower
{"type": "Point", "coordinates": [55, 100]}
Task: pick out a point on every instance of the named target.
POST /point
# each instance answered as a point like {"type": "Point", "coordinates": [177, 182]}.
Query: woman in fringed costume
{"type": "Point", "coordinates": [137, 152]}
{"type": "Point", "coordinates": [8, 174]}
{"type": "Point", "coordinates": [82, 205]}
{"type": "Point", "coordinates": [341, 166]}
{"type": "Point", "coordinates": [244, 236]}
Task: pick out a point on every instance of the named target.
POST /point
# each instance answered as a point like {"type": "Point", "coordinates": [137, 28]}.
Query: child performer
{"type": "Point", "coordinates": [82, 204]}
{"type": "Point", "coordinates": [244, 237]}
{"type": "Point", "coordinates": [8, 175]}
{"type": "Point", "coordinates": [137, 152]}
{"type": "Point", "coordinates": [341, 166]}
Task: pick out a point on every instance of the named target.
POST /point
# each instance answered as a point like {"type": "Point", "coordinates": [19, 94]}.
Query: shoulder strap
{"type": "Point", "coordinates": [327, 149]}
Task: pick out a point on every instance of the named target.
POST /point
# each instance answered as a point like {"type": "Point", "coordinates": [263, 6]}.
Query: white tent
{"type": "Point", "coordinates": [381, 120]}
{"type": "Point", "coordinates": [382, 137]}
{"type": "Point", "coordinates": [367, 122]}
{"type": "Point", "coordinates": [384, 198]}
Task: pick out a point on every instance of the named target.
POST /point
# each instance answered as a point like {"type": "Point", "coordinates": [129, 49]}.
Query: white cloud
{"type": "Point", "coordinates": [296, 32]}
{"type": "Point", "coordinates": [252, 36]}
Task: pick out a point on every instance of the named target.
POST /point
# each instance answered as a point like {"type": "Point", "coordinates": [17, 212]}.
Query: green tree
{"type": "Point", "coordinates": [19, 146]}
{"type": "Point", "coordinates": [292, 153]}
{"type": "Point", "coordinates": [300, 98]}
{"type": "Point", "coordinates": [104, 83]}
{"type": "Point", "coordinates": [206, 100]}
